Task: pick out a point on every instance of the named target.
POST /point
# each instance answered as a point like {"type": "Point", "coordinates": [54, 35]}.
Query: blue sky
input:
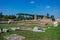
{"type": "Point", "coordinates": [12, 7]}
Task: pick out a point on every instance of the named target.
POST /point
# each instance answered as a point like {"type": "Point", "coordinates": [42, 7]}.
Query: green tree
{"type": "Point", "coordinates": [52, 17]}
{"type": "Point", "coordinates": [25, 16]}
{"type": "Point", "coordinates": [5, 16]}
{"type": "Point", "coordinates": [20, 16]}
{"type": "Point", "coordinates": [42, 16]}
{"type": "Point", "coordinates": [11, 17]}
{"type": "Point", "coordinates": [47, 15]}
{"type": "Point", "coordinates": [1, 15]}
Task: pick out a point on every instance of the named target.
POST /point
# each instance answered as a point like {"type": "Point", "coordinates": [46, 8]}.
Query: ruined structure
{"type": "Point", "coordinates": [35, 17]}
{"type": "Point", "coordinates": [45, 21]}
{"type": "Point", "coordinates": [14, 37]}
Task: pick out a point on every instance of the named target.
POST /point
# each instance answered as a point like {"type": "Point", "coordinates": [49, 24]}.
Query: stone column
{"type": "Point", "coordinates": [35, 17]}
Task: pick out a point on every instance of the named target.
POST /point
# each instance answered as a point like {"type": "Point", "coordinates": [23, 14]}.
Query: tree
{"type": "Point", "coordinates": [42, 16]}
{"type": "Point", "coordinates": [11, 17]}
{"type": "Point", "coordinates": [47, 15]}
{"type": "Point", "coordinates": [1, 15]}
{"type": "Point", "coordinates": [22, 16]}
{"type": "Point", "coordinates": [52, 17]}
{"type": "Point", "coordinates": [5, 16]}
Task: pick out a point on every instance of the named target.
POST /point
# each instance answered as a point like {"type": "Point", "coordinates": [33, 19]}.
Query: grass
{"type": "Point", "coordinates": [14, 25]}
{"type": "Point", "coordinates": [53, 33]}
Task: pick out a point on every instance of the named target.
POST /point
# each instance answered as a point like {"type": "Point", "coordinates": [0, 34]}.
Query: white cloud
{"type": "Point", "coordinates": [47, 7]}
{"type": "Point", "coordinates": [32, 2]}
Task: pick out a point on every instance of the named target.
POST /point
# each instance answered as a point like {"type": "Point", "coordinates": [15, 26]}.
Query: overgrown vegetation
{"type": "Point", "coordinates": [24, 16]}
{"type": "Point", "coordinates": [53, 33]}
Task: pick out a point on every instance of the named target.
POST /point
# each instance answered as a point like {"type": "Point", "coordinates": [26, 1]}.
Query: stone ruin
{"type": "Point", "coordinates": [35, 17]}
{"type": "Point", "coordinates": [55, 23]}
{"type": "Point", "coordinates": [14, 37]}
{"type": "Point", "coordinates": [10, 21]}
{"type": "Point", "coordinates": [46, 21]}
{"type": "Point", "coordinates": [38, 29]}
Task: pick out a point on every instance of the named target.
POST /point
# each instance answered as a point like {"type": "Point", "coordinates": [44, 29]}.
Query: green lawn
{"type": "Point", "coordinates": [15, 25]}
{"type": "Point", "coordinates": [50, 34]}
{"type": "Point", "coordinates": [8, 25]}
